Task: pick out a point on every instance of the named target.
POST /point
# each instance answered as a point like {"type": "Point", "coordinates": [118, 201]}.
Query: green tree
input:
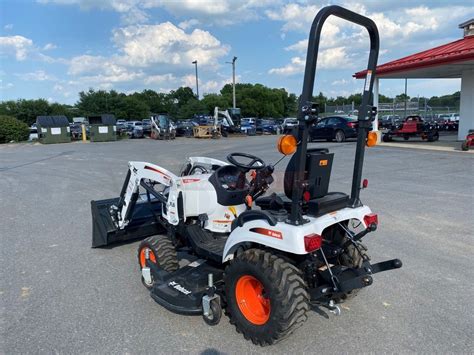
{"type": "Point", "coordinates": [402, 97]}
{"type": "Point", "coordinates": [190, 108]}
{"type": "Point", "coordinates": [12, 129]}
{"type": "Point", "coordinates": [182, 95]}
{"type": "Point", "coordinates": [210, 101]}
{"type": "Point", "coordinates": [131, 108]}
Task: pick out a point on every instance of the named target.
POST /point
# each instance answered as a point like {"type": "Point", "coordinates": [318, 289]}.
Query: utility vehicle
{"type": "Point", "coordinates": [469, 142]}
{"type": "Point", "coordinates": [215, 241]}
{"type": "Point", "coordinates": [413, 126]}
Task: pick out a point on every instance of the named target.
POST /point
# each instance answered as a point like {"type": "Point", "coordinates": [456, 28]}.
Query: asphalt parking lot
{"type": "Point", "coordinates": [57, 295]}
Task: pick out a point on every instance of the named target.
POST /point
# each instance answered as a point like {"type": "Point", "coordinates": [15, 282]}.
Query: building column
{"type": "Point", "coordinates": [375, 124]}
{"type": "Point", "coordinates": [466, 112]}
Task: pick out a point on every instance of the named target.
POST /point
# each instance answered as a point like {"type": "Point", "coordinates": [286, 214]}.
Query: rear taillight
{"type": "Point", "coordinates": [312, 242]}
{"type": "Point", "coordinates": [370, 219]}
{"type": "Point", "coordinates": [351, 124]}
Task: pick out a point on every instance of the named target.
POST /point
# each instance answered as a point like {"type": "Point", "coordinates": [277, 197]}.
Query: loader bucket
{"type": "Point", "coordinates": [143, 222]}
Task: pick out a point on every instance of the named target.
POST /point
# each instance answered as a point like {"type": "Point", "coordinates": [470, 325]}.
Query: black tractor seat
{"type": "Point", "coordinates": [274, 202]}
{"type": "Point", "coordinates": [332, 201]}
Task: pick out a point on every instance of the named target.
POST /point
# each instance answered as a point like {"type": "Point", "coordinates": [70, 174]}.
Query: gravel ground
{"type": "Point", "coordinates": [57, 295]}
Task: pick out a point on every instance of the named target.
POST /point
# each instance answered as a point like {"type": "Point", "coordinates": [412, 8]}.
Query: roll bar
{"type": "Point", "coordinates": [306, 109]}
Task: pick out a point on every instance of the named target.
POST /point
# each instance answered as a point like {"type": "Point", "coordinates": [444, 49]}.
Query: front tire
{"type": "Point", "coordinates": [161, 252]}
{"type": "Point", "coordinates": [266, 296]}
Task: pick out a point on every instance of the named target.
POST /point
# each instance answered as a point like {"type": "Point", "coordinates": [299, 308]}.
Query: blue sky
{"type": "Point", "coordinates": [55, 48]}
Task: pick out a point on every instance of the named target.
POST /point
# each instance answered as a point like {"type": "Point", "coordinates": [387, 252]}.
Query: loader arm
{"type": "Point", "coordinates": [226, 116]}
{"type": "Point", "coordinates": [139, 172]}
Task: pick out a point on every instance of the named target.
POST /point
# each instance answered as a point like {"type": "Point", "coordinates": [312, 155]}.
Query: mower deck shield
{"type": "Point", "coordinates": [142, 223]}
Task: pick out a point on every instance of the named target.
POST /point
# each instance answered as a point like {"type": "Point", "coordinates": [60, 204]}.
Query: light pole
{"type": "Point", "coordinates": [233, 80]}
{"type": "Point", "coordinates": [197, 82]}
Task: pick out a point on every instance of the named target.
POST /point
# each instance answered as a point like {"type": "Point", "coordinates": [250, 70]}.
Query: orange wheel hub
{"type": "Point", "coordinates": [254, 305]}
{"type": "Point", "coordinates": [142, 256]}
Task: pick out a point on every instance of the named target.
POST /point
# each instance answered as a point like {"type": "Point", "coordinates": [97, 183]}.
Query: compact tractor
{"type": "Point", "coordinates": [413, 126]}
{"type": "Point", "coordinates": [213, 241]}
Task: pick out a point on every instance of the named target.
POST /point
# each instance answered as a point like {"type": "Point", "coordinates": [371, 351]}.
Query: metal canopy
{"type": "Point", "coordinates": [446, 61]}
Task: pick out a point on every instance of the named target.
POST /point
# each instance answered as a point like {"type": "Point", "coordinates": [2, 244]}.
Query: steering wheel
{"type": "Point", "coordinates": [252, 165]}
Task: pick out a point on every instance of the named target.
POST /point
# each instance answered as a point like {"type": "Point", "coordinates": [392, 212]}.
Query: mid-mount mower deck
{"type": "Point", "coordinates": [263, 259]}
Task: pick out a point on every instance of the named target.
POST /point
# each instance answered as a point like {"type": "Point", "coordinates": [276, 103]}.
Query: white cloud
{"type": "Point", "coordinates": [17, 45]}
{"type": "Point", "coordinates": [209, 7]}
{"type": "Point", "coordinates": [130, 10]}
{"type": "Point", "coordinates": [6, 86]}
{"type": "Point", "coordinates": [189, 81]}
{"type": "Point", "coordinates": [332, 58]}
{"type": "Point", "coordinates": [189, 24]}
{"type": "Point", "coordinates": [145, 45]}
{"type": "Point", "coordinates": [49, 46]}
{"type": "Point", "coordinates": [38, 75]}
{"type": "Point", "coordinates": [159, 79]}
{"type": "Point", "coordinates": [211, 86]}
{"type": "Point", "coordinates": [296, 17]}
{"type": "Point", "coordinates": [8, 27]}
{"type": "Point", "coordinates": [295, 67]}
{"type": "Point", "coordinates": [340, 82]}
{"type": "Point", "coordinates": [221, 12]}
{"type": "Point", "coordinates": [146, 56]}
{"type": "Point", "coordinates": [300, 46]}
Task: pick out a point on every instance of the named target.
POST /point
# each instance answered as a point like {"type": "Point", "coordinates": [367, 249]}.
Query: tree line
{"type": "Point", "coordinates": [254, 100]}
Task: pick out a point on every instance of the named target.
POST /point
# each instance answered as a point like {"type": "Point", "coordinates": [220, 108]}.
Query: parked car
{"type": "Point", "coordinates": [33, 133]}
{"type": "Point", "coordinates": [289, 124]}
{"type": "Point", "coordinates": [121, 126]}
{"type": "Point", "coordinates": [267, 126]}
{"type": "Point", "coordinates": [146, 125]}
{"type": "Point", "coordinates": [388, 121]}
{"type": "Point", "coordinates": [184, 128]}
{"type": "Point", "coordinates": [435, 121]}
{"type": "Point", "coordinates": [135, 129]}
{"type": "Point", "coordinates": [80, 120]}
{"type": "Point", "coordinates": [451, 121]}
{"type": "Point", "coordinates": [248, 126]}
{"type": "Point", "coordinates": [76, 130]}
{"type": "Point", "coordinates": [337, 128]}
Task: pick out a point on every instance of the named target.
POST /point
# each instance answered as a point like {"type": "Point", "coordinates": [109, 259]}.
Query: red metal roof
{"type": "Point", "coordinates": [457, 51]}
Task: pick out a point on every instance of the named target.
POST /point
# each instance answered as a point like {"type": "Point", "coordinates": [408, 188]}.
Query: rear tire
{"type": "Point", "coordinates": [340, 136]}
{"type": "Point", "coordinates": [266, 296]}
{"type": "Point", "coordinates": [161, 252]}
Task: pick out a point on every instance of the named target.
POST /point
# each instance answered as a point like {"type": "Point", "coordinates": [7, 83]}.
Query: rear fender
{"type": "Point", "coordinates": [286, 237]}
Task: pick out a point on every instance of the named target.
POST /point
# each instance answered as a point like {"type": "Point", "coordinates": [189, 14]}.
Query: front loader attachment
{"type": "Point", "coordinates": [143, 222]}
